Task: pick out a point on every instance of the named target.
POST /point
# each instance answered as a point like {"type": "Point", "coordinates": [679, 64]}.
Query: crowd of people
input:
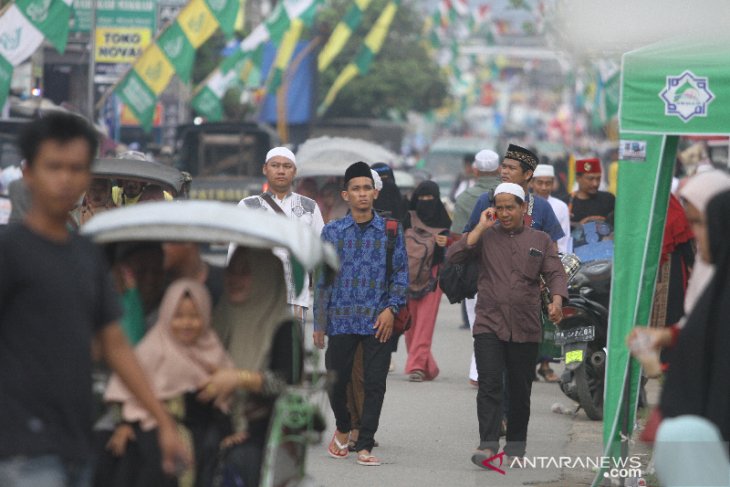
{"type": "Point", "coordinates": [196, 355]}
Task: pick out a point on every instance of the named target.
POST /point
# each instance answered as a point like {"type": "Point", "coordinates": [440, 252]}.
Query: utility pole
{"type": "Point", "coordinates": [92, 64]}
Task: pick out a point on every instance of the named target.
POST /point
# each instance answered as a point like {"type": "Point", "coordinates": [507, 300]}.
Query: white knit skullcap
{"type": "Point", "coordinates": [486, 161]}
{"type": "Point", "coordinates": [544, 171]}
{"type": "Point", "coordinates": [283, 152]}
{"type": "Point", "coordinates": [376, 180]}
{"type": "Point", "coordinates": [510, 188]}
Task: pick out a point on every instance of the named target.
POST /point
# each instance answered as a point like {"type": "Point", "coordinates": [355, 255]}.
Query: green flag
{"type": "Point", "coordinates": [6, 76]}
{"type": "Point", "coordinates": [179, 51]}
{"type": "Point", "coordinates": [50, 17]}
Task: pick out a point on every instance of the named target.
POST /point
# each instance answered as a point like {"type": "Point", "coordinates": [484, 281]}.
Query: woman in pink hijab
{"type": "Point", "coordinates": [179, 354]}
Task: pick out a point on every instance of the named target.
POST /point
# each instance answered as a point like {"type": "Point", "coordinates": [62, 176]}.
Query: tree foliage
{"type": "Point", "coordinates": [402, 78]}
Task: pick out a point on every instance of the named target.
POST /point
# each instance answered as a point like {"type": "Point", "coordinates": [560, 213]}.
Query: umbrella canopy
{"type": "Point", "coordinates": [144, 171]}
{"type": "Point", "coordinates": [211, 221]}
{"type": "Point", "coordinates": [330, 156]}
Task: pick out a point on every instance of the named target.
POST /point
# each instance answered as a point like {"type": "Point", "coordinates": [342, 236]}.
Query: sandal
{"type": "Point", "coordinates": [417, 376]}
{"type": "Point", "coordinates": [548, 374]}
{"type": "Point", "coordinates": [368, 460]}
{"type": "Point", "coordinates": [337, 449]}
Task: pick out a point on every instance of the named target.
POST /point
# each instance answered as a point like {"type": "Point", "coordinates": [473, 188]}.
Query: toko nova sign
{"type": "Point", "coordinates": [686, 96]}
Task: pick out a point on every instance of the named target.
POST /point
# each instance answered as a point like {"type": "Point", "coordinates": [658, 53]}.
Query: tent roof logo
{"type": "Point", "coordinates": [686, 96]}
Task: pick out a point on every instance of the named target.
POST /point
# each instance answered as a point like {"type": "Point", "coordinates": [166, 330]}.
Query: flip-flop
{"type": "Point", "coordinates": [368, 460]}
{"type": "Point", "coordinates": [337, 449]}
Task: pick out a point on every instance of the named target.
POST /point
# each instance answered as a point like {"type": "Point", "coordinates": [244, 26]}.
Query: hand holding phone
{"type": "Point", "coordinates": [488, 217]}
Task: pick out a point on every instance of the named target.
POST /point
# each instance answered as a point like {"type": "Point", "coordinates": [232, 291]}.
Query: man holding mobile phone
{"type": "Point", "coordinates": [507, 328]}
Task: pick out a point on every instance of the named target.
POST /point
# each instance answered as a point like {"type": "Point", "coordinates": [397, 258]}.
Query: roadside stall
{"type": "Point", "coordinates": [668, 89]}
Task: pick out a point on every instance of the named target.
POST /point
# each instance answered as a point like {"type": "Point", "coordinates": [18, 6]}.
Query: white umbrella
{"type": "Point", "coordinates": [330, 156]}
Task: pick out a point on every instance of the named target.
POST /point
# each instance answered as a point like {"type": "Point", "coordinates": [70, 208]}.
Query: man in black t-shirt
{"type": "Point", "coordinates": [56, 299]}
{"type": "Point", "coordinates": [588, 203]}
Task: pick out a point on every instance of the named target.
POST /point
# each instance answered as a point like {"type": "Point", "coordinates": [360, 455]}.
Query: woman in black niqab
{"type": "Point", "coordinates": [423, 304]}
{"type": "Point", "coordinates": [390, 200]}
{"type": "Point", "coordinates": [698, 380]}
{"type": "Point", "coordinates": [432, 211]}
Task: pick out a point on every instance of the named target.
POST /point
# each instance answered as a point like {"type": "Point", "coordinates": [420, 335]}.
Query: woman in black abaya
{"type": "Point", "coordinates": [691, 446]}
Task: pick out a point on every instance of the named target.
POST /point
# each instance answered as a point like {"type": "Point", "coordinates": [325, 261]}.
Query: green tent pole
{"type": "Point", "coordinates": [641, 207]}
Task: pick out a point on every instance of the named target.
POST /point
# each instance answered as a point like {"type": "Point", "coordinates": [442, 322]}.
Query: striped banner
{"type": "Point", "coordinates": [173, 53]}
{"type": "Point", "coordinates": [364, 59]}
{"type": "Point", "coordinates": [343, 30]}
{"type": "Point", "coordinates": [284, 54]}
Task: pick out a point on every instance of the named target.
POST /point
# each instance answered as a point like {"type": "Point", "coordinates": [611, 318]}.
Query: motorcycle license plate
{"type": "Point", "coordinates": [573, 356]}
{"type": "Point", "coordinates": [573, 335]}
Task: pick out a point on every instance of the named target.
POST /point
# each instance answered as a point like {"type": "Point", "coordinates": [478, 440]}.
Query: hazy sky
{"type": "Point", "coordinates": [621, 25]}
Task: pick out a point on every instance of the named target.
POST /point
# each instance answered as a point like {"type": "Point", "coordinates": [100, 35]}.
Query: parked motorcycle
{"type": "Point", "coordinates": [583, 332]}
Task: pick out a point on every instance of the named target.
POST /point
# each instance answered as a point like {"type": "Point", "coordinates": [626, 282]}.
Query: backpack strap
{"type": "Point", "coordinates": [274, 206]}
{"type": "Point", "coordinates": [391, 230]}
{"type": "Point", "coordinates": [530, 206]}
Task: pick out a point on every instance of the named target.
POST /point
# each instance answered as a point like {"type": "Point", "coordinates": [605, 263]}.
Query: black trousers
{"type": "Point", "coordinates": [376, 360]}
{"type": "Point", "coordinates": [494, 357]}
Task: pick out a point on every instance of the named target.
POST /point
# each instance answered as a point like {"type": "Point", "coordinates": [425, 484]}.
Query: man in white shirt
{"type": "Point", "coordinates": [280, 169]}
{"type": "Point", "coordinates": [542, 184]}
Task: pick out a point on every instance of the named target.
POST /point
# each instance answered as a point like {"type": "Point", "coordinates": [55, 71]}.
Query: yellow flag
{"type": "Point", "coordinates": [198, 22]}
{"type": "Point", "coordinates": [241, 17]}
{"type": "Point", "coordinates": [154, 69]}
{"type": "Point", "coordinates": [379, 32]}
{"type": "Point", "coordinates": [288, 43]}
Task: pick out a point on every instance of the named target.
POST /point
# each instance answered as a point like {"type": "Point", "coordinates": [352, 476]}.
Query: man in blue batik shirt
{"type": "Point", "coordinates": [517, 167]}
{"type": "Point", "coordinates": [359, 307]}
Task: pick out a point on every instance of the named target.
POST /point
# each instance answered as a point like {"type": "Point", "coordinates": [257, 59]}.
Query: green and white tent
{"type": "Point", "coordinates": [668, 90]}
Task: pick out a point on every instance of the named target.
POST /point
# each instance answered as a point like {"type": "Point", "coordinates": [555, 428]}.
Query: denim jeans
{"type": "Point", "coordinates": [45, 470]}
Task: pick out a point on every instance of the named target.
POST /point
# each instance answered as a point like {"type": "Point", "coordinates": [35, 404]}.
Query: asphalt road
{"type": "Point", "coordinates": [428, 430]}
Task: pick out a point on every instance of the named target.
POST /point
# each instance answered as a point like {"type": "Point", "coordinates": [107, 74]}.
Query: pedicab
{"type": "Point", "coordinates": [296, 419]}
{"type": "Point", "coordinates": [171, 180]}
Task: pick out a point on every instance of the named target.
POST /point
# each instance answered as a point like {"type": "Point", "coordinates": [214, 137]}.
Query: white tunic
{"type": "Point", "coordinates": [296, 207]}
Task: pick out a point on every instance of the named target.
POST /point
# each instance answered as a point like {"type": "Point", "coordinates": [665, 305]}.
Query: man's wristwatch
{"type": "Point", "coordinates": [394, 310]}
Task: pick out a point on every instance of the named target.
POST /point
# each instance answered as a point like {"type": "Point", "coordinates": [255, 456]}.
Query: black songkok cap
{"type": "Point", "coordinates": [517, 153]}
{"type": "Point", "coordinates": [358, 170]}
